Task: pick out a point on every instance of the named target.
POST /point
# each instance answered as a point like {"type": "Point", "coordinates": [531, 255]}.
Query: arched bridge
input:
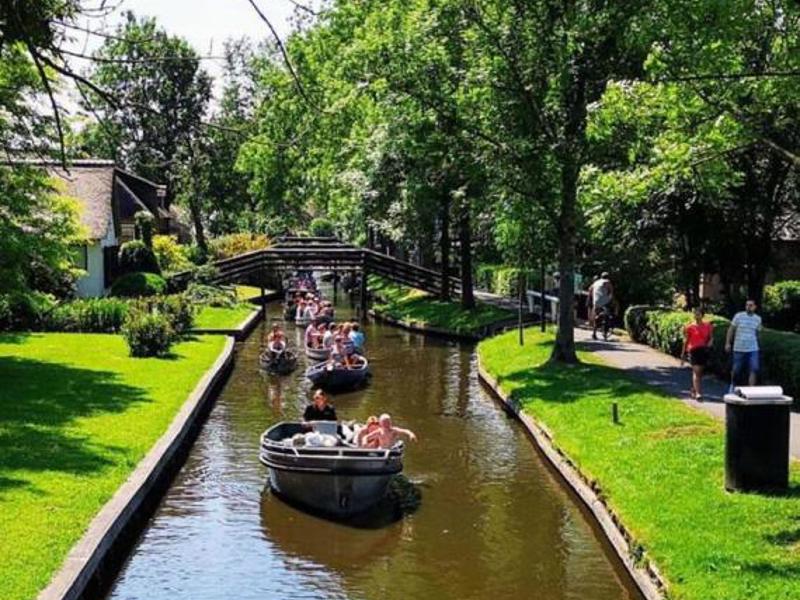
{"type": "Point", "coordinates": [292, 253]}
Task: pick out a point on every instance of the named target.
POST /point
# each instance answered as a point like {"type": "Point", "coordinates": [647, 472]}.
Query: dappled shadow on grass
{"type": "Point", "coordinates": [38, 403]}
{"type": "Point", "coordinates": [14, 337]}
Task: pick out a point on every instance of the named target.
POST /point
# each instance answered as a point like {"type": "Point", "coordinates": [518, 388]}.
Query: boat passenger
{"type": "Point", "coordinates": [310, 334]}
{"type": "Point", "coordinates": [357, 337]}
{"type": "Point", "coordinates": [370, 426]}
{"type": "Point", "coordinates": [327, 338]}
{"type": "Point", "coordinates": [387, 435]}
{"type": "Point", "coordinates": [347, 342]}
{"type": "Point", "coordinates": [300, 309]}
{"type": "Point", "coordinates": [320, 409]}
{"type": "Point", "coordinates": [319, 337]}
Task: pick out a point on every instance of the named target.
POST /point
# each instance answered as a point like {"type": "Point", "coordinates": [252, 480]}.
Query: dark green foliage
{"type": "Point", "coordinates": [177, 308]}
{"type": "Point", "coordinates": [321, 227]}
{"type": "Point", "coordinates": [93, 315]}
{"type": "Point", "coordinates": [148, 333]}
{"type": "Point", "coordinates": [134, 285]}
{"type": "Point", "coordinates": [23, 310]}
{"type": "Point", "coordinates": [144, 226]}
{"type": "Point", "coordinates": [135, 256]}
{"type": "Point", "coordinates": [503, 280]}
{"type": "Point", "coordinates": [663, 330]}
{"type": "Point", "coordinates": [781, 305]}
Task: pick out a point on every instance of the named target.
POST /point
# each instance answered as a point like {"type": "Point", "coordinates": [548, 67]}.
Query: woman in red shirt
{"type": "Point", "coordinates": [698, 338]}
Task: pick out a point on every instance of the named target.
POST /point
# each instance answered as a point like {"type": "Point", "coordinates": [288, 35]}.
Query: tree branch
{"type": "Point", "coordinates": [56, 111]}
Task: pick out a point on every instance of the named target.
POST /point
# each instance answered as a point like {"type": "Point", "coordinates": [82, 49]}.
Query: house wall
{"type": "Point", "coordinates": [92, 285]}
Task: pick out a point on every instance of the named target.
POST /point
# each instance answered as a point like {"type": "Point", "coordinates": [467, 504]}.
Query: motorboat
{"type": "Point", "coordinates": [337, 376]}
{"type": "Point", "coordinates": [341, 480]}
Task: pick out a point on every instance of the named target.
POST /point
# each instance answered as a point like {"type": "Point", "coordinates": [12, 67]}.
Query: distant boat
{"type": "Point", "coordinates": [337, 376]}
{"type": "Point", "coordinates": [340, 481]}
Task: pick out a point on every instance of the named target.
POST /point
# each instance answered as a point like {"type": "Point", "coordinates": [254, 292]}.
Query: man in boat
{"type": "Point", "coordinates": [370, 426]}
{"type": "Point", "coordinates": [347, 342]}
{"type": "Point", "coordinates": [387, 435]}
{"type": "Point", "coordinates": [357, 337]}
{"type": "Point", "coordinates": [300, 309]}
{"type": "Point", "coordinates": [276, 342]}
{"type": "Point", "coordinates": [310, 334]}
{"type": "Point", "coordinates": [327, 338]}
{"type": "Point", "coordinates": [320, 409]}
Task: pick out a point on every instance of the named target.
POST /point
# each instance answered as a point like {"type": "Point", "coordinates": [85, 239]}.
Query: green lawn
{"type": "Point", "coordinates": [214, 317]}
{"type": "Point", "coordinates": [408, 304]}
{"type": "Point", "coordinates": [245, 292]}
{"type": "Point", "coordinates": [662, 471]}
{"type": "Point", "coordinates": [76, 416]}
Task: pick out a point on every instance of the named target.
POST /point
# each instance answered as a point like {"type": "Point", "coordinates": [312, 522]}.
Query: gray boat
{"type": "Point", "coordinates": [339, 481]}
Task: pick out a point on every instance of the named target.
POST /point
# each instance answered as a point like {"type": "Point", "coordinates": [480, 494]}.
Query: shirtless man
{"type": "Point", "coordinates": [369, 427]}
{"type": "Point", "coordinates": [387, 435]}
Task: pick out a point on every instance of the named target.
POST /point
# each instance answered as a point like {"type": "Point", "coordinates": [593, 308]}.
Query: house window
{"type": "Point", "coordinates": [80, 257]}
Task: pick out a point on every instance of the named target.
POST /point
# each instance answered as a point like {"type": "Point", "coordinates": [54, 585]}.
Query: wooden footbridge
{"type": "Point", "coordinates": [330, 254]}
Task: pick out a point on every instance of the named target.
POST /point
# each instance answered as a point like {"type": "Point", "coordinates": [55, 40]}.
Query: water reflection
{"type": "Point", "coordinates": [492, 524]}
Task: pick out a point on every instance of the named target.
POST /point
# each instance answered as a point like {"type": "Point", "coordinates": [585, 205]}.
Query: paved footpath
{"type": "Point", "coordinates": [664, 372]}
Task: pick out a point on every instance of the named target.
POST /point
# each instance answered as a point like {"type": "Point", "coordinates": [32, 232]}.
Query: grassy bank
{"type": "Point", "coordinates": [661, 470]}
{"type": "Point", "coordinates": [415, 306]}
{"type": "Point", "coordinates": [214, 317]}
{"type": "Point", "coordinates": [76, 416]}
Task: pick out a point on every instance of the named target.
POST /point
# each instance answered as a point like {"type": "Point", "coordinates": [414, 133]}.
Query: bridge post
{"type": "Point", "coordinates": [363, 294]}
{"type": "Point", "coordinates": [335, 285]}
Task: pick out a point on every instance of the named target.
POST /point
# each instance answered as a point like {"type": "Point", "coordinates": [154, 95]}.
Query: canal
{"type": "Point", "coordinates": [493, 522]}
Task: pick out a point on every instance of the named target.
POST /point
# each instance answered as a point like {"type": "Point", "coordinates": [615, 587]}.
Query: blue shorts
{"type": "Point", "coordinates": [751, 359]}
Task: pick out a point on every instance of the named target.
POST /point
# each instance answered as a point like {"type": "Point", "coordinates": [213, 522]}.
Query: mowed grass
{"type": "Point", "coordinates": [412, 305]}
{"type": "Point", "coordinates": [246, 292]}
{"type": "Point", "coordinates": [662, 471]}
{"type": "Point", "coordinates": [76, 416]}
{"type": "Point", "coordinates": [215, 317]}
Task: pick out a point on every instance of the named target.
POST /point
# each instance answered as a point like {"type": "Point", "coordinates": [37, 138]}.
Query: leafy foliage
{"type": "Point", "coordinates": [134, 285]}
{"type": "Point", "coordinates": [172, 257]}
{"type": "Point", "coordinates": [135, 256]}
{"type": "Point", "coordinates": [91, 315]}
{"type": "Point", "coordinates": [148, 333]}
{"type": "Point", "coordinates": [781, 305]}
{"type": "Point", "coordinates": [231, 245]}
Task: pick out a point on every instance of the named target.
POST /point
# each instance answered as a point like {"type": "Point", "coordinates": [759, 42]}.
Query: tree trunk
{"type": "Point", "coordinates": [564, 348]}
{"type": "Point", "coordinates": [197, 222]}
{"type": "Point", "coordinates": [465, 241]}
{"type": "Point", "coordinates": [444, 244]}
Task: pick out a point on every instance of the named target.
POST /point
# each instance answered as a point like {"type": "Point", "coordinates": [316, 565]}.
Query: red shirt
{"type": "Point", "coordinates": [698, 335]}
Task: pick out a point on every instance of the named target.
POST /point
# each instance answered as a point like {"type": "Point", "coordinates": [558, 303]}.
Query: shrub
{"type": "Point", "coordinates": [211, 295]}
{"type": "Point", "coordinates": [227, 246]}
{"type": "Point", "coordinates": [94, 315]}
{"type": "Point", "coordinates": [135, 285]}
{"type": "Point", "coordinates": [780, 350]}
{"type": "Point", "coordinates": [172, 257]}
{"type": "Point", "coordinates": [24, 310]}
{"type": "Point", "coordinates": [500, 279]}
{"type": "Point", "coordinates": [321, 227]}
{"type": "Point", "coordinates": [148, 333]}
{"type": "Point", "coordinates": [178, 309]}
{"type": "Point", "coordinates": [781, 305]}
{"type": "Point", "coordinates": [135, 257]}
{"type": "Point", "coordinates": [144, 226]}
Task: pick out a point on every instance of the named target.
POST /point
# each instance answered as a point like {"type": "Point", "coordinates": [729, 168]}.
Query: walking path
{"type": "Point", "coordinates": [664, 372]}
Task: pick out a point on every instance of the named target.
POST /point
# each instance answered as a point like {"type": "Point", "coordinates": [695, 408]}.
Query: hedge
{"type": "Point", "coordinates": [781, 305]}
{"type": "Point", "coordinates": [94, 315]}
{"type": "Point", "coordinates": [662, 328]}
{"type": "Point", "coordinates": [134, 285]}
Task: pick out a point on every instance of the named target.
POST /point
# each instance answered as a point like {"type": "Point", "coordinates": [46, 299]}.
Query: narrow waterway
{"type": "Point", "coordinates": [492, 523]}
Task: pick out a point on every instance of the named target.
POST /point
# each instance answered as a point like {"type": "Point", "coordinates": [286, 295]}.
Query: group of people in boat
{"type": "Point", "coordinates": [376, 432]}
{"type": "Point", "coordinates": [310, 306]}
{"type": "Point", "coordinates": [344, 340]}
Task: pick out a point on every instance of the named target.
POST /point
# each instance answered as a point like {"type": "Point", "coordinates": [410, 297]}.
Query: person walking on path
{"type": "Point", "coordinates": [602, 295]}
{"type": "Point", "coordinates": [743, 339]}
{"type": "Point", "coordinates": [698, 339]}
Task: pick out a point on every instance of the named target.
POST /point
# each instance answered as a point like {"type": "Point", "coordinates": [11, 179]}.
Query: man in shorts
{"type": "Point", "coordinates": [743, 340]}
{"type": "Point", "coordinates": [601, 293]}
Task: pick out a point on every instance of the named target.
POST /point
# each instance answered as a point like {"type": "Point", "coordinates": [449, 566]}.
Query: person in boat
{"type": "Point", "coordinates": [310, 334]}
{"type": "Point", "coordinates": [300, 309]}
{"type": "Point", "coordinates": [357, 337]}
{"type": "Point", "coordinates": [320, 408]}
{"type": "Point", "coordinates": [327, 338]}
{"type": "Point", "coordinates": [370, 426]}
{"type": "Point", "coordinates": [276, 341]}
{"type": "Point", "coordinates": [387, 435]}
{"type": "Point", "coordinates": [339, 357]}
{"type": "Point", "coordinates": [347, 342]}
{"type": "Point", "coordinates": [319, 338]}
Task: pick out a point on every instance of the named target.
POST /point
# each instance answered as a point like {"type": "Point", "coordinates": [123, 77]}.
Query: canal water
{"type": "Point", "coordinates": [492, 521]}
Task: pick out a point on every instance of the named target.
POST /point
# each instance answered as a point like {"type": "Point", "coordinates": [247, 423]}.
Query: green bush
{"type": "Point", "coordinates": [136, 257]}
{"type": "Point", "coordinates": [501, 279]}
{"type": "Point", "coordinates": [234, 244]}
{"type": "Point", "coordinates": [663, 330]}
{"type": "Point", "coordinates": [321, 227]}
{"type": "Point", "coordinates": [781, 305]}
{"type": "Point", "coordinates": [93, 315]}
{"type": "Point", "coordinates": [172, 257]}
{"type": "Point", "coordinates": [178, 309]}
{"type": "Point", "coordinates": [145, 222]}
{"type": "Point", "coordinates": [211, 295]}
{"type": "Point", "coordinates": [135, 285]}
{"type": "Point", "coordinates": [148, 333]}
{"type": "Point", "coordinates": [24, 310]}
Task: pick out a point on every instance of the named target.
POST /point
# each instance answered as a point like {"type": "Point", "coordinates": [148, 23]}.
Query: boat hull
{"type": "Point", "coordinates": [318, 353]}
{"type": "Point", "coordinates": [338, 378]}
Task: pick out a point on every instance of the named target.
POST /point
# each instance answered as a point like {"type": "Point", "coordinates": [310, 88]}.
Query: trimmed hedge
{"type": "Point", "coordinates": [781, 305]}
{"type": "Point", "coordinates": [662, 329]}
{"type": "Point", "coordinates": [134, 285]}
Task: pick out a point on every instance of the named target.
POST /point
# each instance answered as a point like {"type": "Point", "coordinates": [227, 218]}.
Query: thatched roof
{"type": "Point", "coordinates": [91, 184]}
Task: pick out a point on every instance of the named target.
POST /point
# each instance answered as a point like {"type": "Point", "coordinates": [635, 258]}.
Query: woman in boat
{"type": "Point", "coordinates": [347, 343]}
{"type": "Point", "coordinates": [319, 337]}
{"type": "Point", "coordinates": [327, 338]}
{"type": "Point", "coordinates": [357, 337]}
{"type": "Point", "coordinates": [310, 334]}
{"type": "Point", "coordinates": [369, 427]}
{"type": "Point", "coordinates": [300, 309]}
{"type": "Point", "coordinates": [320, 409]}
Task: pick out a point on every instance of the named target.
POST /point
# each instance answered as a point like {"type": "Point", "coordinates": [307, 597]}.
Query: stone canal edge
{"type": "Point", "coordinates": [644, 574]}
{"type": "Point", "coordinates": [110, 532]}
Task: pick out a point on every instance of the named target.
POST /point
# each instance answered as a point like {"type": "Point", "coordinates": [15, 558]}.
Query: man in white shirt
{"type": "Point", "coordinates": [601, 293]}
{"type": "Point", "coordinates": [743, 339]}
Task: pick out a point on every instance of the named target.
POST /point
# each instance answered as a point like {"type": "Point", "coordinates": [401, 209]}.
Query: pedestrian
{"type": "Point", "coordinates": [602, 293]}
{"type": "Point", "coordinates": [743, 339]}
{"type": "Point", "coordinates": [697, 344]}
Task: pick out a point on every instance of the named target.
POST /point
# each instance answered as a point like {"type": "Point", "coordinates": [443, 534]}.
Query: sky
{"type": "Point", "coordinates": [206, 24]}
